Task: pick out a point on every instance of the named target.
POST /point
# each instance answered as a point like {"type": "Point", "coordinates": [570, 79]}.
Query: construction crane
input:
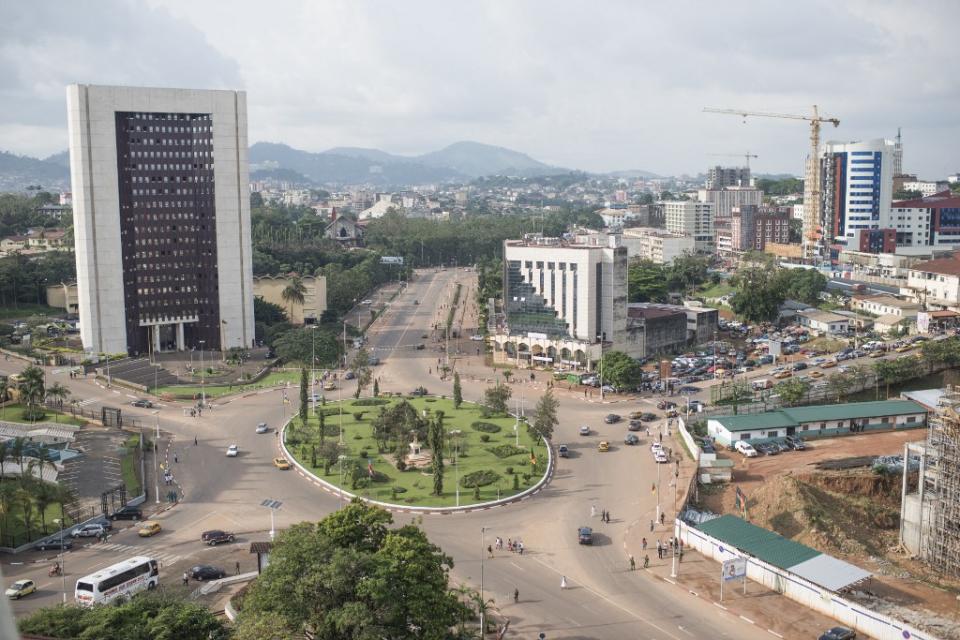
{"type": "Point", "coordinates": [812, 223]}
{"type": "Point", "coordinates": [745, 156]}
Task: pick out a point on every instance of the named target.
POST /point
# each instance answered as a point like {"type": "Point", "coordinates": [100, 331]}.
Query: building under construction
{"type": "Point", "coordinates": [930, 512]}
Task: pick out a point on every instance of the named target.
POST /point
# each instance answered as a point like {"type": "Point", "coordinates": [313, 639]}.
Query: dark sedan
{"type": "Point", "coordinates": [54, 545]}
{"type": "Point", "coordinates": [585, 535]}
{"type": "Point", "coordinates": [206, 572]}
{"type": "Point", "coordinates": [127, 513]}
{"type": "Point", "coordinates": [611, 418]}
{"type": "Point", "coordinates": [635, 425]}
{"type": "Point", "coordinates": [839, 633]}
{"type": "Point", "coordinates": [219, 537]}
{"type": "Point", "coordinates": [143, 403]}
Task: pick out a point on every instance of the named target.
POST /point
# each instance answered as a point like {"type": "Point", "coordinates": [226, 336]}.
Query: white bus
{"type": "Point", "coordinates": [122, 579]}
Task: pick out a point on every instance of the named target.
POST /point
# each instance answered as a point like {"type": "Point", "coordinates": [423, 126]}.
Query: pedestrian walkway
{"type": "Point", "coordinates": [166, 558]}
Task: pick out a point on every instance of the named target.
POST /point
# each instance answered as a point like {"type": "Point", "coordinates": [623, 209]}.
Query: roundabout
{"type": "Point", "coordinates": [380, 449]}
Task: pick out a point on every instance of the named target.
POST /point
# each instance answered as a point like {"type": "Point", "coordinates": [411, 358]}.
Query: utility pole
{"type": "Point", "coordinates": [203, 379]}
{"type": "Point", "coordinates": [483, 608]}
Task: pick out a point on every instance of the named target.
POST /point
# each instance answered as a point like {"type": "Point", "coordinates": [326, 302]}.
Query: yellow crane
{"type": "Point", "coordinates": [745, 156]}
{"type": "Point", "coordinates": [811, 200]}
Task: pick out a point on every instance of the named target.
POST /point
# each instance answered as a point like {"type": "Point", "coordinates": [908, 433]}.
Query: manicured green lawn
{"type": "Point", "coordinates": [13, 532]}
{"type": "Point", "coordinates": [717, 290]}
{"type": "Point", "coordinates": [13, 412]}
{"type": "Point", "coordinates": [25, 310]}
{"type": "Point", "coordinates": [475, 455]}
{"type": "Point", "coordinates": [220, 390]}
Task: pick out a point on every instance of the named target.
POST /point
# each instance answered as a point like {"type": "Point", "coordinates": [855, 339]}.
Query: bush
{"type": "Point", "coordinates": [479, 478]}
{"type": "Point", "coordinates": [429, 399]}
{"type": "Point", "coordinates": [33, 414]}
{"type": "Point", "coordinates": [379, 476]}
{"type": "Point", "coordinates": [484, 437]}
{"type": "Point", "coordinates": [509, 471]}
{"type": "Point", "coordinates": [358, 415]}
{"type": "Point", "coordinates": [486, 427]}
{"type": "Point", "coordinates": [506, 450]}
{"type": "Point", "coordinates": [516, 483]}
{"type": "Point", "coordinates": [364, 453]}
{"type": "Point", "coordinates": [401, 465]}
{"type": "Point", "coordinates": [370, 402]}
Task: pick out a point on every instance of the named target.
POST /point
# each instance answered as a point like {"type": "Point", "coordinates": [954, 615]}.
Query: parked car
{"type": "Point", "coordinates": [768, 448]}
{"type": "Point", "coordinates": [88, 531]}
{"type": "Point", "coordinates": [206, 572]}
{"type": "Point", "coordinates": [780, 375]}
{"type": "Point", "coordinates": [330, 385]}
{"type": "Point", "coordinates": [233, 451]}
{"type": "Point", "coordinates": [54, 545]}
{"type": "Point", "coordinates": [666, 404]}
{"type": "Point", "coordinates": [281, 463]}
{"type": "Point", "coordinates": [660, 457]}
{"type": "Point", "coordinates": [149, 528]}
{"type": "Point", "coordinates": [349, 375]}
{"type": "Point", "coordinates": [213, 538]}
{"type": "Point", "coordinates": [21, 588]}
{"type": "Point", "coordinates": [648, 417]}
{"type": "Point", "coordinates": [635, 425]}
{"type": "Point", "coordinates": [584, 430]}
{"type": "Point", "coordinates": [127, 513]}
{"type": "Point", "coordinates": [745, 448]}
{"type": "Point", "coordinates": [687, 390]}
{"type": "Point", "coordinates": [838, 633]}
{"type": "Point", "coordinates": [585, 535]}
{"type": "Point", "coordinates": [262, 427]}
{"type": "Point", "coordinates": [799, 366]}
{"type": "Point", "coordinates": [563, 451]}
{"type": "Point", "coordinates": [611, 418]}
{"type": "Point", "coordinates": [631, 439]}
{"type": "Point", "coordinates": [142, 403]}
{"type": "Point", "coordinates": [795, 442]}
{"type": "Point", "coordinates": [373, 361]}
{"type": "Point", "coordinates": [421, 347]}
{"type": "Point", "coordinates": [212, 533]}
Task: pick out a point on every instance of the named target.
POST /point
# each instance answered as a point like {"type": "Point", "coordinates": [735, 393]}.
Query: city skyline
{"type": "Point", "coordinates": [560, 82]}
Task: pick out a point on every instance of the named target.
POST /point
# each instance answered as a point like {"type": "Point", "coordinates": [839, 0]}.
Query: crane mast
{"type": "Point", "coordinates": [813, 224]}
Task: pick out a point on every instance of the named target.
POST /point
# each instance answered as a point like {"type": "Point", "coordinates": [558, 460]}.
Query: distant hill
{"type": "Point", "coordinates": [635, 173]}
{"type": "Point", "coordinates": [19, 172]}
{"type": "Point", "coordinates": [286, 175]}
{"type": "Point", "coordinates": [474, 159]}
{"type": "Point", "coordinates": [62, 159]}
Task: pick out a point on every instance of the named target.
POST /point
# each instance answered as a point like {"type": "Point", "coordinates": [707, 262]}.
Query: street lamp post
{"type": "Point", "coordinates": [61, 522]}
{"type": "Point", "coordinates": [455, 434]}
{"type": "Point", "coordinates": [483, 608]}
{"type": "Point", "coordinates": [273, 505]}
{"type": "Point", "coordinates": [156, 461]}
{"type": "Point", "coordinates": [340, 460]}
{"type": "Point", "coordinates": [313, 370]}
{"type": "Point", "coordinates": [658, 492]}
{"type": "Point", "coordinates": [676, 483]}
{"type": "Point", "coordinates": [203, 379]}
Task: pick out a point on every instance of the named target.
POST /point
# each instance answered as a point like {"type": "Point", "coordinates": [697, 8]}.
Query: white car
{"type": "Point", "coordinates": [262, 427]}
{"type": "Point", "coordinates": [655, 447]}
{"type": "Point", "coordinates": [745, 448]}
{"type": "Point", "coordinates": [660, 457]}
{"type": "Point", "coordinates": [88, 531]}
{"type": "Point", "coordinates": [367, 302]}
{"type": "Point", "coordinates": [233, 451]}
{"type": "Point", "coordinates": [584, 430]}
{"type": "Point", "coordinates": [477, 338]}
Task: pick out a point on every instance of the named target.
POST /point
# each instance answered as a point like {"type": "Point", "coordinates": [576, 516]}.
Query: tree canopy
{"type": "Point", "coordinates": [352, 576]}
{"type": "Point", "coordinates": [299, 345]}
{"type": "Point", "coordinates": [621, 370]}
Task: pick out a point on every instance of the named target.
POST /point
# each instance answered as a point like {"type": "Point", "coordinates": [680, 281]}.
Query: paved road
{"type": "Point", "coordinates": [604, 599]}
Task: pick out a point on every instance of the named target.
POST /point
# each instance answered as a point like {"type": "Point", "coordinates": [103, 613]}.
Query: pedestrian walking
{"type": "Point", "coordinates": [238, 568]}
{"type": "Point", "coordinates": [186, 578]}
{"type": "Point", "coordinates": [489, 551]}
{"type": "Point", "coordinates": [510, 544]}
{"type": "Point", "coordinates": [646, 561]}
{"type": "Point", "coordinates": [195, 441]}
{"type": "Point", "coordinates": [662, 517]}
{"type": "Point", "coordinates": [593, 511]}
{"type": "Point", "coordinates": [633, 564]}
{"type": "Point", "coordinates": [563, 582]}
{"type": "Point", "coordinates": [644, 543]}
{"type": "Point", "coordinates": [176, 458]}
{"type": "Point", "coordinates": [680, 559]}
{"type": "Point", "coordinates": [659, 550]}
{"type": "Point", "coordinates": [651, 525]}
{"type": "Point", "coordinates": [520, 546]}
{"type": "Point", "coordinates": [661, 436]}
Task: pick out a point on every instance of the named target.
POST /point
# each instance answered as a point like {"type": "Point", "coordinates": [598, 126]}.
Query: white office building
{"type": "Point", "coordinates": [726, 200]}
{"type": "Point", "coordinates": [692, 218]}
{"type": "Point", "coordinates": [161, 218]}
{"type": "Point", "coordinates": [656, 245]}
{"type": "Point", "coordinates": [856, 188]}
{"type": "Point", "coordinates": [926, 187]}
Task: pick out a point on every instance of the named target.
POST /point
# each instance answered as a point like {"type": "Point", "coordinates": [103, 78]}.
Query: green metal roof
{"type": "Point", "coordinates": [795, 416]}
{"type": "Point", "coordinates": [758, 542]}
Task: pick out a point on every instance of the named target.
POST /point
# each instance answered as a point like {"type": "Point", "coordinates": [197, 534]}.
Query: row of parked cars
{"type": "Point", "coordinates": [771, 447]}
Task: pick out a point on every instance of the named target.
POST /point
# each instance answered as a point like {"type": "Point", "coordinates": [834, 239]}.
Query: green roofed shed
{"type": "Point", "coordinates": [756, 541]}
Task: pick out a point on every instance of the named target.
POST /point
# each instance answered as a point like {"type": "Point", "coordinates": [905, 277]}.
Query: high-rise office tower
{"type": "Point", "coordinates": [856, 188]}
{"type": "Point", "coordinates": [161, 218]}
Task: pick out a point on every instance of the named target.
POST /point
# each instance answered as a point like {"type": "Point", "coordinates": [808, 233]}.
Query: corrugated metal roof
{"type": "Point", "coordinates": [758, 542]}
{"type": "Point", "coordinates": [854, 410]}
{"type": "Point", "coordinates": [829, 572]}
{"type": "Point", "coordinates": [795, 416]}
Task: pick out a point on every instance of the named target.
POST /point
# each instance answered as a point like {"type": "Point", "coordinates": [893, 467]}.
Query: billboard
{"type": "Point", "coordinates": [391, 260]}
{"type": "Point", "coordinates": [734, 569]}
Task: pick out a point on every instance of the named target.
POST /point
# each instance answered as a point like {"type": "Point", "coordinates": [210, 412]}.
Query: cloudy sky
{"type": "Point", "coordinates": [590, 85]}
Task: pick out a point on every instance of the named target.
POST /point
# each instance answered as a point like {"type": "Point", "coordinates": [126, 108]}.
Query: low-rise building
{"type": "Point", "coordinates": [270, 289]}
{"type": "Point", "coordinates": [926, 187]}
{"type": "Point", "coordinates": [885, 305]}
{"type": "Point", "coordinates": [657, 328]}
{"type": "Point", "coordinates": [63, 296]}
{"type": "Point", "coordinates": [818, 421]}
{"type": "Point", "coordinates": [824, 323]}
{"type": "Point", "coordinates": [656, 245]}
{"type": "Point", "coordinates": [345, 231]}
{"type": "Point", "coordinates": [930, 221]}
{"type": "Point", "coordinates": [935, 283]}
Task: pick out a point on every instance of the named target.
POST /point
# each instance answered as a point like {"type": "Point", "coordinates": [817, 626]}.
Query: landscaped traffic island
{"type": "Point", "coordinates": [387, 453]}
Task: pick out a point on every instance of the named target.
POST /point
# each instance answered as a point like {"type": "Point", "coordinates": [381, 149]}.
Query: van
{"type": "Point", "coordinates": [761, 384]}
{"type": "Point", "coordinates": [745, 448]}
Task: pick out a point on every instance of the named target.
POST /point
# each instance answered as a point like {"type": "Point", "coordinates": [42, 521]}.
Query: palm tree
{"type": "Point", "coordinates": [58, 393]}
{"type": "Point", "coordinates": [4, 454]}
{"type": "Point", "coordinates": [44, 495]}
{"type": "Point", "coordinates": [294, 293]}
{"type": "Point", "coordinates": [25, 499]}
{"type": "Point", "coordinates": [17, 449]}
{"type": "Point", "coordinates": [31, 389]}
{"type": "Point", "coordinates": [4, 386]}
{"type": "Point", "coordinates": [7, 499]}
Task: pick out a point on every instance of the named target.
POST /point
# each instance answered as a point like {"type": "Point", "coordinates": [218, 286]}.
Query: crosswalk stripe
{"type": "Point", "coordinates": [84, 403]}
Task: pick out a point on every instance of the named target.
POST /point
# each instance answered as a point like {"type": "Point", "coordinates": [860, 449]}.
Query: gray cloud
{"type": "Point", "coordinates": [593, 85]}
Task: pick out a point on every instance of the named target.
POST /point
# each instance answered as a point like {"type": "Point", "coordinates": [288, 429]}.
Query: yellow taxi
{"type": "Point", "coordinates": [904, 348]}
{"type": "Point", "coordinates": [21, 588]}
{"type": "Point", "coordinates": [281, 463]}
{"type": "Point", "coordinates": [816, 374]}
{"type": "Point", "coordinates": [604, 446]}
{"type": "Point", "coordinates": [329, 386]}
{"type": "Point", "coordinates": [878, 354]}
{"type": "Point", "coordinates": [149, 528]}
{"type": "Point", "coordinates": [829, 364]}
{"type": "Point", "coordinates": [636, 415]}
{"type": "Point", "coordinates": [782, 374]}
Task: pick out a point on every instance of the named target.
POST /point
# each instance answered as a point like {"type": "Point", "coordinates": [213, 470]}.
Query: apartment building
{"type": "Point", "coordinates": [930, 221]}
{"type": "Point", "coordinates": [692, 218]}
{"type": "Point", "coordinates": [721, 177]}
{"type": "Point", "coordinates": [935, 284]}
{"type": "Point", "coordinates": [926, 187]}
{"type": "Point", "coordinates": [656, 245]}
{"type": "Point", "coordinates": [726, 200]}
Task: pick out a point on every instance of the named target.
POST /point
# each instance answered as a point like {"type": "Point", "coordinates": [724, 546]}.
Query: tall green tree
{"type": "Point", "coordinates": [545, 415]}
{"type": "Point", "coordinates": [58, 393]}
{"type": "Point", "coordinates": [32, 392]}
{"type": "Point", "coordinates": [687, 271]}
{"type": "Point", "coordinates": [304, 385]}
{"type": "Point", "coordinates": [436, 437]}
{"type": "Point", "coordinates": [646, 282]}
{"type": "Point", "coordinates": [792, 391]}
{"type": "Point", "coordinates": [457, 391]}
{"type": "Point", "coordinates": [362, 369]}
{"type": "Point", "coordinates": [299, 345]}
{"type": "Point", "coordinates": [621, 370]}
{"type": "Point", "coordinates": [495, 399]}
{"type": "Point", "coordinates": [354, 576]}
{"type": "Point", "coordinates": [758, 294]}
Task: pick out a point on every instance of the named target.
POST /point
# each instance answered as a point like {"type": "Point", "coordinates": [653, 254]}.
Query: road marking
{"type": "Point", "coordinates": [747, 619]}
{"type": "Point", "coordinates": [84, 403]}
{"type": "Point", "coordinates": [771, 631]}
{"type": "Point", "coordinates": [717, 604]}
{"type": "Point", "coordinates": [517, 566]}
{"type": "Point", "coordinates": [684, 630]}
{"type": "Point", "coordinates": [130, 396]}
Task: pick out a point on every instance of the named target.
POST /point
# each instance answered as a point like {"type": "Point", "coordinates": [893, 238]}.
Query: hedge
{"type": "Point", "coordinates": [506, 450]}
{"type": "Point", "coordinates": [480, 478]}
{"type": "Point", "coordinates": [486, 427]}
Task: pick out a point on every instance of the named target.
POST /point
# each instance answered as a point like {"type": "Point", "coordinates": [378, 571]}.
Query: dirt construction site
{"type": "Point", "coordinates": [828, 497]}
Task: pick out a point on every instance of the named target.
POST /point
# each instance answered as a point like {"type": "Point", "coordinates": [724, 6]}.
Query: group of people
{"type": "Point", "coordinates": [604, 514]}
{"type": "Point", "coordinates": [514, 546]}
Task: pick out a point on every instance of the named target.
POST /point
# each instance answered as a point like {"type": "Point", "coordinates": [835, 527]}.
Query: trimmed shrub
{"type": "Point", "coordinates": [358, 415]}
{"type": "Point", "coordinates": [370, 402]}
{"type": "Point", "coordinates": [506, 450]}
{"type": "Point", "coordinates": [401, 465]}
{"type": "Point", "coordinates": [379, 476]}
{"type": "Point", "coordinates": [484, 437]}
{"type": "Point", "coordinates": [486, 427]}
{"type": "Point", "coordinates": [509, 471]}
{"type": "Point", "coordinates": [364, 453]}
{"type": "Point", "coordinates": [480, 478]}
{"type": "Point", "coordinates": [429, 399]}
{"type": "Point", "coordinates": [516, 483]}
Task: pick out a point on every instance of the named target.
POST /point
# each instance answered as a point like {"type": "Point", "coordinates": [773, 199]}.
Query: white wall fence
{"type": "Point", "coordinates": [851, 614]}
{"type": "Point", "coordinates": [688, 440]}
